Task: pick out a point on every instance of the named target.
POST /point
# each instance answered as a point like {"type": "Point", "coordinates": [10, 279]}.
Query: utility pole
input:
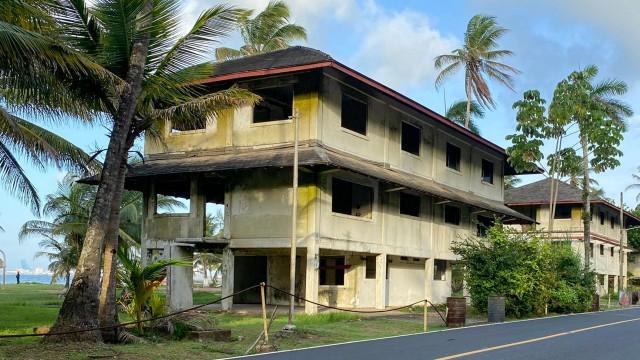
{"type": "Point", "coordinates": [294, 223]}
{"type": "Point", "coordinates": [622, 244]}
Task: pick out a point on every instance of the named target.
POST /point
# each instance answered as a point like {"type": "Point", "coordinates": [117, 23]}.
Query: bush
{"type": "Point", "coordinates": [531, 274]}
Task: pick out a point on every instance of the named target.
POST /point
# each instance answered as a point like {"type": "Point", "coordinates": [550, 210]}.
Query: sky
{"type": "Point", "coordinates": [395, 43]}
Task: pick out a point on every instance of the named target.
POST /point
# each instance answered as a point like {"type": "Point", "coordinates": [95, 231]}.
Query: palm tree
{"type": "Point", "coordinates": [63, 256]}
{"type": "Point", "coordinates": [457, 113]}
{"type": "Point", "coordinates": [478, 56]}
{"type": "Point", "coordinates": [268, 31]}
{"type": "Point", "coordinates": [123, 61]}
{"type": "Point", "coordinates": [635, 185]}
{"type": "Point", "coordinates": [140, 282]}
{"type": "Point", "coordinates": [511, 181]}
{"type": "Point", "coordinates": [208, 262]}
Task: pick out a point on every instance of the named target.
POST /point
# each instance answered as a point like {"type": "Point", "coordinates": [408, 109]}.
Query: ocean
{"type": "Point", "coordinates": [24, 278]}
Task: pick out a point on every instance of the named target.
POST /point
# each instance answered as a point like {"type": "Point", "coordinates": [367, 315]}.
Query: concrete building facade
{"type": "Point", "coordinates": [386, 185]}
{"type": "Point", "coordinates": [533, 200]}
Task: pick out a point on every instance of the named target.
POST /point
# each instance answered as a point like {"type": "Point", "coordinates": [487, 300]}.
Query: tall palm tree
{"type": "Point", "coordinates": [479, 57]}
{"type": "Point", "coordinates": [138, 73]}
{"type": "Point", "coordinates": [457, 113]}
{"type": "Point", "coordinates": [268, 31]}
{"type": "Point", "coordinates": [636, 184]}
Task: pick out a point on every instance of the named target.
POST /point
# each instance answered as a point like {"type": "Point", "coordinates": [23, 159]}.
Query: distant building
{"type": "Point", "coordinates": [386, 185]}
{"type": "Point", "coordinates": [532, 200]}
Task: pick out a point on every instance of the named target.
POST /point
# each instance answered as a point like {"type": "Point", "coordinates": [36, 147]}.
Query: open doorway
{"type": "Point", "coordinates": [248, 271]}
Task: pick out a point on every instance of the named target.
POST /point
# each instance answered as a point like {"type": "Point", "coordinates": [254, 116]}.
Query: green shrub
{"type": "Point", "coordinates": [532, 275]}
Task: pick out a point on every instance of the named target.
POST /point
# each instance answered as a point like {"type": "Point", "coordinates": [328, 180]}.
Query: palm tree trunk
{"type": "Point", "coordinates": [66, 280]}
{"type": "Point", "coordinates": [586, 200]}
{"type": "Point", "coordinates": [81, 306]}
{"type": "Point", "coordinates": [467, 118]}
{"type": "Point", "coordinates": [108, 312]}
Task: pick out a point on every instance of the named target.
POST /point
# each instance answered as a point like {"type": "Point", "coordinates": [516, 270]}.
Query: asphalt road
{"type": "Point", "coordinates": [602, 335]}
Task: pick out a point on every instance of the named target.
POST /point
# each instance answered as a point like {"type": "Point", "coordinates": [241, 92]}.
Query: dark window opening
{"type": "Point", "coordinates": [452, 215]}
{"type": "Point", "coordinates": [613, 222]}
{"type": "Point", "coordinates": [439, 269]}
{"type": "Point", "coordinates": [591, 249]}
{"type": "Point", "coordinates": [197, 124]}
{"type": "Point", "coordinates": [601, 279]}
{"type": "Point", "coordinates": [173, 197]}
{"type": "Point", "coordinates": [409, 204]}
{"type": "Point", "coordinates": [612, 252]}
{"type": "Point", "coordinates": [332, 270]}
{"type": "Point", "coordinates": [276, 104]}
{"type": "Point", "coordinates": [370, 271]}
{"type": "Point", "coordinates": [602, 216]}
{"type": "Point", "coordinates": [563, 212]}
{"type": "Point", "coordinates": [410, 140]}
{"type": "Point", "coordinates": [484, 224]}
{"type": "Point", "coordinates": [601, 249]}
{"type": "Point", "coordinates": [487, 171]}
{"type": "Point", "coordinates": [351, 199]}
{"type": "Point", "coordinates": [354, 114]}
{"type": "Point", "coordinates": [453, 157]}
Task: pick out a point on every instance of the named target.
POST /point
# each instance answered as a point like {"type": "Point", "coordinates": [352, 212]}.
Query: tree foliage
{"type": "Point", "coordinates": [268, 31]}
{"type": "Point", "coordinates": [531, 274]}
{"type": "Point", "coordinates": [479, 57]}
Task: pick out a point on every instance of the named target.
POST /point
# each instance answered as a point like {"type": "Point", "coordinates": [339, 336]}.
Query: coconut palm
{"type": "Point", "coordinates": [210, 264]}
{"type": "Point", "coordinates": [138, 74]}
{"type": "Point", "coordinates": [63, 257]}
{"type": "Point", "coordinates": [140, 282]}
{"type": "Point", "coordinates": [457, 113]}
{"type": "Point", "coordinates": [268, 31]}
{"type": "Point", "coordinates": [636, 184]}
{"type": "Point", "coordinates": [479, 57]}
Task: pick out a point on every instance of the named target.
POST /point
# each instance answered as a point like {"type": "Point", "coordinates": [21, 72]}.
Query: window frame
{"type": "Point", "coordinates": [418, 129]}
{"type": "Point", "coordinates": [440, 269]}
{"type": "Point", "coordinates": [321, 270]}
{"type": "Point", "coordinates": [257, 90]}
{"type": "Point", "coordinates": [371, 189]}
{"type": "Point", "coordinates": [367, 270]}
{"type": "Point", "coordinates": [459, 216]}
{"type": "Point", "coordinates": [361, 100]}
{"type": "Point", "coordinates": [447, 162]}
{"type": "Point", "coordinates": [407, 196]}
{"type": "Point", "coordinates": [493, 172]}
{"type": "Point", "coordinates": [563, 206]}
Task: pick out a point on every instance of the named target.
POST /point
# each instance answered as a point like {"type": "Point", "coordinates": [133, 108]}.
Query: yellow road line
{"type": "Point", "coordinates": [517, 343]}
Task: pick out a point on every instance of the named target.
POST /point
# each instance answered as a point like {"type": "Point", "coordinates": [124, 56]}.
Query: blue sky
{"type": "Point", "coordinates": [395, 43]}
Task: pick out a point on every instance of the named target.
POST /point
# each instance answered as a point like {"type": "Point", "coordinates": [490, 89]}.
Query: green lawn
{"type": "Point", "coordinates": [23, 307]}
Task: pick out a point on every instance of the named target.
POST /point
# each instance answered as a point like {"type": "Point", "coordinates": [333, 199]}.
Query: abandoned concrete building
{"type": "Point", "coordinates": [386, 185]}
{"type": "Point", "coordinates": [533, 201]}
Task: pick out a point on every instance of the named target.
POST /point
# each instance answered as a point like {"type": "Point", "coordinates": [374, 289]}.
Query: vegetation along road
{"type": "Point", "coordinates": [585, 336]}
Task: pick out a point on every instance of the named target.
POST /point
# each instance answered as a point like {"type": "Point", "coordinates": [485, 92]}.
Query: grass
{"type": "Point", "coordinates": [25, 306]}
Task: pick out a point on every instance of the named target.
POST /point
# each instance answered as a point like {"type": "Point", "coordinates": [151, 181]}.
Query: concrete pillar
{"type": "Point", "coordinates": [428, 279]}
{"type": "Point", "coordinates": [227, 277]}
{"type": "Point", "coordinates": [381, 281]}
{"type": "Point", "coordinates": [605, 285]}
{"type": "Point", "coordinates": [312, 279]}
{"type": "Point", "coordinates": [615, 283]}
{"type": "Point", "coordinates": [180, 278]}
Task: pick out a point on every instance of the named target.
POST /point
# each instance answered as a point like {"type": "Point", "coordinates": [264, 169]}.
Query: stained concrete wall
{"type": "Point", "coordinates": [382, 142]}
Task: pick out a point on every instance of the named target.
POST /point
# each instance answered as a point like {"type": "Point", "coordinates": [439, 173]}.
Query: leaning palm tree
{"type": "Point", "coordinates": [139, 73]}
{"type": "Point", "coordinates": [457, 113]}
{"type": "Point", "coordinates": [635, 185]}
{"type": "Point", "coordinates": [268, 31]}
{"type": "Point", "coordinates": [140, 282]}
{"type": "Point", "coordinates": [479, 56]}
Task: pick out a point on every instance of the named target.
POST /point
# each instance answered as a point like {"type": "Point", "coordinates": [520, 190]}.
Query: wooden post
{"type": "Point", "coordinates": [264, 314]}
{"type": "Point", "coordinates": [426, 322]}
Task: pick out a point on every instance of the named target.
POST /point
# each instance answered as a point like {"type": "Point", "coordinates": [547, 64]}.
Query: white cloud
{"type": "Point", "coordinates": [398, 48]}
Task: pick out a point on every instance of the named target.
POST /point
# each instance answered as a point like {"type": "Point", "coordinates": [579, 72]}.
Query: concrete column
{"type": "Point", "coordinates": [605, 286]}
{"type": "Point", "coordinates": [227, 277]}
{"type": "Point", "coordinates": [615, 283]}
{"type": "Point", "coordinates": [312, 279]}
{"type": "Point", "coordinates": [428, 279]}
{"type": "Point", "coordinates": [381, 281]}
{"type": "Point", "coordinates": [181, 278]}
